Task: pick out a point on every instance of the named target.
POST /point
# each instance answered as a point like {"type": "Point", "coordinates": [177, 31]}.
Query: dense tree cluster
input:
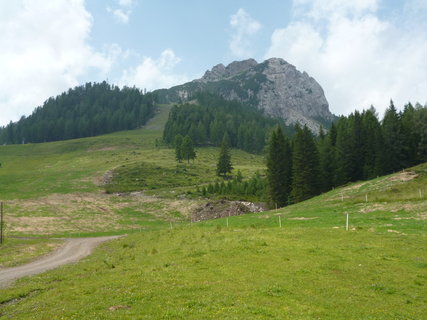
{"type": "Point", "coordinates": [357, 147]}
{"type": "Point", "coordinates": [87, 110]}
{"type": "Point", "coordinates": [184, 148]}
{"type": "Point", "coordinates": [207, 121]}
{"type": "Point", "coordinates": [252, 189]}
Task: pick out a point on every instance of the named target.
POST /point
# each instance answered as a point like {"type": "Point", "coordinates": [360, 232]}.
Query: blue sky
{"type": "Point", "coordinates": [361, 52]}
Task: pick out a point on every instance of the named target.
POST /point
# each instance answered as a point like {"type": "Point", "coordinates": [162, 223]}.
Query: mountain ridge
{"type": "Point", "coordinates": [274, 86]}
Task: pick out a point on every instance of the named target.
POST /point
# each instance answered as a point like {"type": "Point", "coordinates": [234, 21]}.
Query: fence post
{"type": "Point", "coordinates": [346, 223]}
{"type": "Point", "coordinates": [1, 222]}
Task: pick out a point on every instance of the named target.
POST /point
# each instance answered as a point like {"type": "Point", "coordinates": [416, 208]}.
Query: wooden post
{"type": "Point", "coordinates": [280, 222]}
{"type": "Point", "coordinates": [227, 222]}
{"type": "Point", "coordinates": [1, 222]}
{"type": "Point", "coordinates": [366, 197]}
{"type": "Point", "coordinates": [346, 223]}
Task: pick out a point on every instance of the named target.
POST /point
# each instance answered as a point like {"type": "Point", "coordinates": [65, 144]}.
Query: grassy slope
{"type": "Point", "coordinates": [310, 268]}
{"type": "Point", "coordinates": [19, 251]}
{"type": "Point", "coordinates": [53, 188]}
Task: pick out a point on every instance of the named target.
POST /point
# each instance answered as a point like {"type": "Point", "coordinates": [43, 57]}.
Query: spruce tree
{"type": "Point", "coordinates": [373, 149]}
{"type": "Point", "coordinates": [279, 164]}
{"type": "Point", "coordinates": [178, 148]}
{"type": "Point", "coordinates": [327, 161]}
{"type": "Point", "coordinates": [188, 152]}
{"type": "Point", "coordinates": [224, 165]}
{"type": "Point", "coordinates": [305, 166]}
{"type": "Point", "coordinates": [393, 139]}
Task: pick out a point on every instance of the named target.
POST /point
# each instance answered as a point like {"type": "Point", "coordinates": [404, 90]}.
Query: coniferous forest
{"type": "Point", "coordinates": [357, 147]}
{"type": "Point", "coordinates": [207, 121]}
{"type": "Point", "coordinates": [88, 110]}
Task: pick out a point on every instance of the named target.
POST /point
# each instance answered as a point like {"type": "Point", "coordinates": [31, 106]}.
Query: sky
{"type": "Point", "coordinates": [362, 52]}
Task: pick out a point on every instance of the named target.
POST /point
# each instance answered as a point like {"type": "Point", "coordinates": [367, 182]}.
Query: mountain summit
{"type": "Point", "coordinates": [274, 86]}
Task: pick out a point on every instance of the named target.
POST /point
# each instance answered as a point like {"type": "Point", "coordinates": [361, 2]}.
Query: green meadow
{"type": "Point", "coordinates": [297, 262]}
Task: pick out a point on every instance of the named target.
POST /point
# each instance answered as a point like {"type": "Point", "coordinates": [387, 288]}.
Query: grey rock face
{"type": "Point", "coordinates": [292, 95]}
{"type": "Point", "coordinates": [220, 72]}
{"type": "Point", "coordinates": [274, 86]}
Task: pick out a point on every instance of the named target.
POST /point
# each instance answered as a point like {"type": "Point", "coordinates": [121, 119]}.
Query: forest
{"type": "Point", "coordinates": [206, 122]}
{"type": "Point", "coordinates": [88, 110]}
{"type": "Point", "coordinates": [356, 147]}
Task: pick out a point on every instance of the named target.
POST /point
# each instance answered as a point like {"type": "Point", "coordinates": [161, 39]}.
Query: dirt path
{"type": "Point", "coordinates": [73, 250]}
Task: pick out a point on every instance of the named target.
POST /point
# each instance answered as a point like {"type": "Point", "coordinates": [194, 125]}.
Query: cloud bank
{"type": "Point", "coordinates": [359, 56]}
{"type": "Point", "coordinates": [153, 74]}
{"type": "Point", "coordinates": [44, 51]}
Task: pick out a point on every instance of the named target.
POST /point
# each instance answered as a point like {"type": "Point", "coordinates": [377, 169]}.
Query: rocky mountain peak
{"type": "Point", "coordinates": [220, 72]}
{"type": "Point", "coordinates": [275, 86]}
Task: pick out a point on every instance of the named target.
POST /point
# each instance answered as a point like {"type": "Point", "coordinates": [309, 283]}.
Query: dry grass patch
{"type": "Point", "coordinates": [404, 176]}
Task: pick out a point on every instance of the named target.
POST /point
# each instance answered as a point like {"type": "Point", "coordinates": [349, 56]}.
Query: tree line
{"type": "Point", "coordinates": [357, 147]}
{"type": "Point", "coordinates": [88, 110]}
{"type": "Point", "coordinates": [206, 122]}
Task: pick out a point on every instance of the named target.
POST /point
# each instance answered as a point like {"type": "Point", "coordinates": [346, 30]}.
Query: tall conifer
{"type": "Point", "coordinates": [279, 164]}
{"type": "Point", "coordinates": [305, 166]}
{"type": "Point", "coordinates": [224, 165]}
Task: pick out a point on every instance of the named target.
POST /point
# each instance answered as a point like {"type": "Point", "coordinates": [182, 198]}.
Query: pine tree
{"type": "Point", "coordinates": [342, 152]}
{"type": "Point", "coordinates": [224, 165]}
{"type": "Point", "coordinates": [327, 161]}
{"type": "Point", "coordinates": [279, 164]}
{"type": "Point", "coordinates": [305, 166]}
{"type": "Point", "coordinates": [178, 147]}
{"type": "Point", "coordinates": [393, 140]}
{"type": "Point", "coordinates": [187, 149]}
{"type": "Point", "coordinates": [373, 149]}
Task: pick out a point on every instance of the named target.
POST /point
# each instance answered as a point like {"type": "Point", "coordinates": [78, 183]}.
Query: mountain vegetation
{"type": "Point", "coordinates": [357, 147]}
{"type": "Point", "coordinates": [167, 266]}
{"type": "Point", "coordinates": [211, 117]}
{"type": "Point", "coordinates": [88, 110]}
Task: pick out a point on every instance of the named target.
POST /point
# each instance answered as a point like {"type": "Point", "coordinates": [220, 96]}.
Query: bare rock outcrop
{"type": "Point", "coordinates": [274, 86]}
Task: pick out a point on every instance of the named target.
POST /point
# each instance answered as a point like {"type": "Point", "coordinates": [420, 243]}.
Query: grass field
{"type": "Point", "coordinates": [19, 251]}
{"type": "Point", "coordinates": [56, 188]}
{"type": "Point", "coordinates": [241, 267]}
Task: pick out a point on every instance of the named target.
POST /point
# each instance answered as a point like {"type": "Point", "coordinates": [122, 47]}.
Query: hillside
{"type": "Point", "coordinates": [250, 267]}
{"type": "Point", "coordinates": [57, 188]}
{"type": "Point", "coordinates": [237, 267]}
{"type": "Point", "coordinates": [273, 86]}
{"type": "Point", "coordinates": [84, 111]}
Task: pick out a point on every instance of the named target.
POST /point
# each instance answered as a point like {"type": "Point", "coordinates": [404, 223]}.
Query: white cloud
{"type": "Point", "coordinates": [243, 26]}
{"type": "Point", "coordinates": [358, 56]}
{"type": "Point", "coordinates": [153, 74]}
{"type": "Point", "coordinates": [126, 3]}
{"type": "Point", "coordinates": [123, 12]}
{"type": "Point", "coordinates": [44, 51]}
{"type": "Point", "coordinates": [122, 16]}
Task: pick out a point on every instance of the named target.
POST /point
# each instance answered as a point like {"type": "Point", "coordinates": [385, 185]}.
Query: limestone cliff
{"type": "Point", "coordinates": [274, 86]}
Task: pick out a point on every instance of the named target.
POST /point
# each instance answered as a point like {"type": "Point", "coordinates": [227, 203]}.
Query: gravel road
{"type": "Point", "coordinates": [73, 250]}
